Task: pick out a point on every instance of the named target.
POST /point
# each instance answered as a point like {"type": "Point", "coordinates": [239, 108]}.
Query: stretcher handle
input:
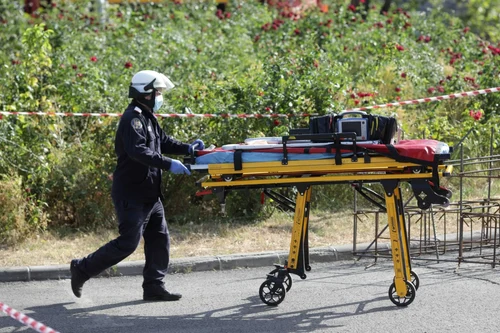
{"type": "Point", "coordinates": [342, 114]}
{"type": "Point", "coordinates": [192, 158]}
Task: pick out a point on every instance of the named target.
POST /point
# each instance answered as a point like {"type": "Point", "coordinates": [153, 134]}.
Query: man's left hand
{"type": "Point", "coordinates": [197, 144]}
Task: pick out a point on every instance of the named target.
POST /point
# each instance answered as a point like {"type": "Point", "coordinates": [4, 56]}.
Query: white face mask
{"type": "Point", "coordinates": [158, 103]}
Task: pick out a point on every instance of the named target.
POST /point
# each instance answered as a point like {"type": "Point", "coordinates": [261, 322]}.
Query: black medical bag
{"type": "Point", "coordinates": [368, 127]}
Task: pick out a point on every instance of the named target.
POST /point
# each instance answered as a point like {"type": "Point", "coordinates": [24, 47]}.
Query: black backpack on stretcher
{"type": "Point", "coordinates": [368, 127]}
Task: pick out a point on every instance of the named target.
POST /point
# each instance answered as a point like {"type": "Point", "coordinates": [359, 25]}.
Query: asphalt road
{"type": "Point", "coordinates": [340, 296]}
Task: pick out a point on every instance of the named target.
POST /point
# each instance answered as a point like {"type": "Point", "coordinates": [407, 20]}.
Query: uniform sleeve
{"type": "Point", "coordinates": [134, 142]}
{"type": "Point", "coordinates": [169, 145]}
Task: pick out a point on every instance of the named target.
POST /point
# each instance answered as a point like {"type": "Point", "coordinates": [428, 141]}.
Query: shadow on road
{"type": "Point", "coordinates": [249, 316]}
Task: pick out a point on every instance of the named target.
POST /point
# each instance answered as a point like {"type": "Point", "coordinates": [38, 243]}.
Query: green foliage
{"type": "Point", "coordinates": [253, 60]}
{"type": "Point", "coordinates": [20, 214]}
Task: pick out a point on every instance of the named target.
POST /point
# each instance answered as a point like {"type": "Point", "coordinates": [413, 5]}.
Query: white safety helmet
{"type": "Point", "coordinates": [144, 82]}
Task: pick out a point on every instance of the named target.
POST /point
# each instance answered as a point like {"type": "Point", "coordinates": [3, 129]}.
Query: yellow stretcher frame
{"type": "Point", "coordinates": [424, 178]}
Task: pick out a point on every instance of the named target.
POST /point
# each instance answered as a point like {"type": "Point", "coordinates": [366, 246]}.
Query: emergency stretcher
{"type": "Point", "coordinates": [302, 161]}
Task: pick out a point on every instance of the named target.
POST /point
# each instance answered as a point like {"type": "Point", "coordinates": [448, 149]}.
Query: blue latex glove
{"type": "Point", "coordinates": [197, 144]}
{"type": "Point", "coordinates": [177, 168]}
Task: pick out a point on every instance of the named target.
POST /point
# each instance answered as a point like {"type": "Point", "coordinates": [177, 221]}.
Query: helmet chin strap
{"type": "Point", "coordinates": [150, 103]}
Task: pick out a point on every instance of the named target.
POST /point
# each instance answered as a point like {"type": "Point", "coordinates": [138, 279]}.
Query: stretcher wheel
{"type": "Point", "coordinates": [287, 280]}
{"type": "Point", "coordinates": [228, 178]}
{"type": "Point", "coordinates": [414, 279]}
{"type": "Point", "coordinates": [402, 301]}
{"type": "Point", "coordinates": [272, 293]}
{"type": "Point", "coordinates": [308, 268]}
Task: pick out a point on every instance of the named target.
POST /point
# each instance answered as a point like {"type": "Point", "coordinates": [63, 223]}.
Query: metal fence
{"type": "Point", "coordinates": [467, 231]}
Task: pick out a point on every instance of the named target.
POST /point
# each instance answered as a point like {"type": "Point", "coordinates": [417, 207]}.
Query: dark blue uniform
{"type": "Point", "coordinates": [139, 144]}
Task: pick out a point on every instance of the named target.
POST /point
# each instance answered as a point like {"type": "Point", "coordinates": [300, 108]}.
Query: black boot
{"type": "Point", "coordinates": [77, 278]}
{"type": "Point", "coordinates": [159, 293]}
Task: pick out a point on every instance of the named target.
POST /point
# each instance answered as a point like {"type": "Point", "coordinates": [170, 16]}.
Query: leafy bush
{"type": "Point", "coordinates": [21, 214]}
{"type": "Point", "coordinates": [251, 59]}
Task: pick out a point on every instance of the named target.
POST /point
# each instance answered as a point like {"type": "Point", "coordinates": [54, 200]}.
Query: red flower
{"type": "Point", "coordinates": [352, 8]}
{"type": "Point", "coordinates": [16, 61]}
{"type": "Point", "coordinates": [75, 67]}
{"type": "Point", "coordinates": [400, 48]}
{"type": "Point", "coordinates": [403, 75]}
{"type": "Point", "coordinates": [256, 38]}
{"type": "Point", "coordinates": [128, 64]}
{"type": "Point", "coordinates": [476, 114]}
{"type": "Point", "coordinates": [466, 30]}
{"type": "Point", "coordinates": [431, 90]}
{"type": "Point", "coordinates": [276, 122]}
{"type": "Point", "coordinates": [119, 14]}
{"type": "Point", "coordinates": [296, 31]}
{"type": "Point", "coordinates": [268, 109]}
{"type": "Point", "coordinates": [93, 59]}
{"type": "Point", "coordinates": [397, 89]}
{"type": "Point", "coordinates": [440, 89]}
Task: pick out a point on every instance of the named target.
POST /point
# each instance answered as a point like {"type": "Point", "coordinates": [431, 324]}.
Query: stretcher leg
{"type": "Point", "coordinates": [273, 291]}
{"type": "Point", "coordinates": [402, 291]}
{"type": "Point", "coordinates": [298, 258]}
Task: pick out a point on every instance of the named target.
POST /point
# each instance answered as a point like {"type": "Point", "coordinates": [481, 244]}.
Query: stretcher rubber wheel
{"type": "Point", "coordinates": [272, 293]}
{"type": "Point", "coordinates": [308, 268]}
{"type": "Point", "coordinates": [402, 301]}
{"type": "Point", "coordinates": [414, 279]}
{"type": "Point", "coordinates": [287, 281]}
{"type": "Point", "coordinates": [228, 178]}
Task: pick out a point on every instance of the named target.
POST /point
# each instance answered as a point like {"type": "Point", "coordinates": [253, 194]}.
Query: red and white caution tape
{"type": "Point", "coordinates": [23, 319]}
{"type": "Point", "coordinates": [160, 115]}
{"type": "Point", "coordinates": [429, 99]}
{"type": "Point", "coordinates": [257, 115]}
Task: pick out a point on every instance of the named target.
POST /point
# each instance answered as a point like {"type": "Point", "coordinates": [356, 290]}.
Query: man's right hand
{"type": "Point", "coordinates": [176, 167]}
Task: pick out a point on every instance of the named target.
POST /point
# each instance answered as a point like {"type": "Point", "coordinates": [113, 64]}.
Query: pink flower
{"type": "Point", "coordinates": [477, 115]}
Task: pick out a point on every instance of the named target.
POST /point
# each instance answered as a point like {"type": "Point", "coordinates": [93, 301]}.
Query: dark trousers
{"type": "Point", "coordinates": [135, 220]}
